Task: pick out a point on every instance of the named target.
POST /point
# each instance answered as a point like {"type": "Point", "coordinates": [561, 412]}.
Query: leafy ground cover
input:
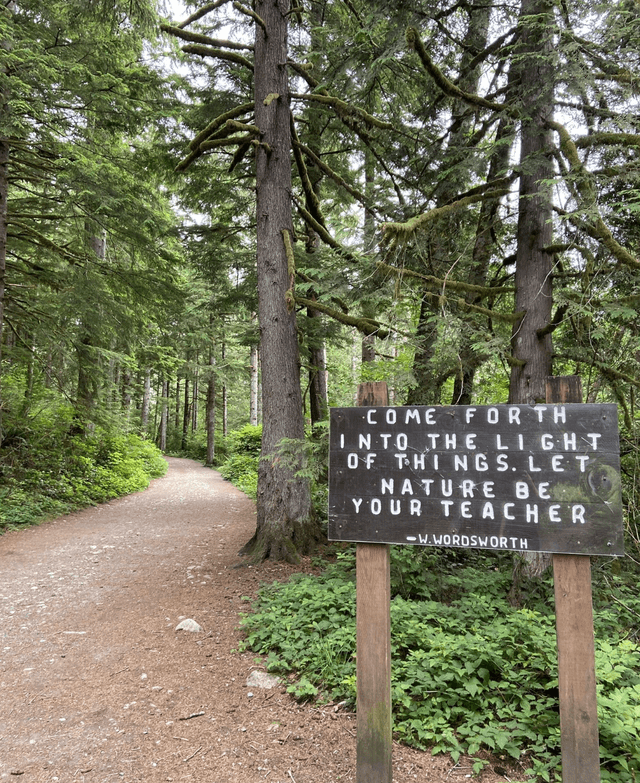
{"type": "Point", "coordinates": [49, 467]}
{"type": "Point", "coordinates": [469, 670]}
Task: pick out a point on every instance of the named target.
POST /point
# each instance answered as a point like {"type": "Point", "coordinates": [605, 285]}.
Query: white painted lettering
{"type": "Point", "coordinates": [357, 503]}
{"type": "Point", "coordinates": [524, 543]}
{"type": "Point", "coordinates": [469, 414]}
{"type": "Point", "coordinates": [481, 462]}
{"type": "Point", "coordinates": [412, 413]}
{"type": "Point", "coordinates": [493, 415]}
{"type": "Point", "coordinates": [577, 514]}
{"type": "Point", "coordinates": [426, 483]}
{"type": "Point", "coordinates": [370, 459]}
{"type": "Point", "coordinates": [532, 467]}
{"type": "Point", "coordinates": [402, 458]}
{"type": "Point", "coordinates": [540, 409]}
{"type": "Point", "coordinates": [521, 442]}
{"type": "Point", "coordinates": [407, 487]}
{"type": "Point", "coordinates": [583, 460]}
{"type": "Point", "coordinates": [342, 441]}
{"type": "Point", "coordinates": [570, 441]}
{"type": "Point", "coordinates": [415, 507]}
{"type": "Point", "coordinates": [418, 461]}
{"type": "Point", "coordinates": [487, 489]}
{"type": "Point", "coordinates": [447, 487]}
{"type": "Point", "coordinates": [522, 490]}
{"type": "Point", "coordinates": [460, 462]}
{"type": "Point", "coordinates": [364, 441]}
{"type": "Point", "coordinates": [514, 415]}
{"type": "Point", "coordinates": [494, 541]}
{"type": "Point", "coordinates": [376, 506]}
{"type": "Point", "coordinates": [370, 419]}
{"type": "Point", "coordinates": [505, 510]}
{"type": "Point", "coordinates": [555, 463]}
{"type": "Point", "coordinates": [467, 487]}
{"type": "Point", "coordinates": [499, 444]}
{"type": "Point", "coordinates": [433, 437]}
{"type": "Point", "coordinates": [465, 509]}
{"type": "Point", "coordinates": [543, 490]}
{"type": "Point", "coordinates": [594, 439]}
{"type": "Point", "coordinates": [450, 440]}
{"type": "Point", "coordinates": [394, 507]}
{"type": "Point", "coordinates": [468, 441]}
{"type": "Point", "coordinates": [428, 416]}
{"type": "Point", "coordinates": [352, 460]}
{"type": "Point", "coordinates": [502, 462]}
{"type": "Point", "coordinates": [554, 513]}
{"type": "Point", "coordinates": [546, 441]}
{"type": "Point", "coordinates": [487, 511]}
{"type": "Point", "coordinates": [559, 414]}
{"type": "Point", "coordinates": [385, 439]}
{"type": "Point", "coordinates": [391, 416]}
{"type": "Point", "coordinates": [455, 540]}
{"type": "Point", "coordinates": [446, 505]}
{"type": "Point", "coordinates": [386, 485]}
{"type": "Point", "coordinates": [532, 513]}
{"type": "Point", "coordinates": [401, 441]}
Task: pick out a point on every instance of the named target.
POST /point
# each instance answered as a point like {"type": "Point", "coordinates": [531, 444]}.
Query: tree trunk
{"type": "Point", "coordinates": [253, 386]}
{"type": "Point", "coordinates": [285, 521]}
{"type": "Point", "coordinates": [194, 398]}
{"type": "Point", "coordinates": [211, 409]}
{"type": "Point", "coordinates": [532, 354]}
{"type": "Point", "coordinates": [164, 417]}
{"type": "Point", "coordinates": [146, 401]}
{"type": "Point", "coordinates": [4, 192]}
{"type": "Point", "coordinates": [4, 195]}
{"type": "Point", "coordinates": [186, 411]}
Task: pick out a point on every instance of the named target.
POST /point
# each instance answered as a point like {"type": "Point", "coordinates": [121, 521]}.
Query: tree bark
{"type": "Point", "coordinates": [146, 401]}
{"type": "Point", "coordinates": [164, 417]}
{"type": "Point", "coordinates": [211, 409]}
{"type": "Point", "coordinates": [285, 521]}
{"type": "Point", "coordinates": [532, 354]}
{"type": "Point", "coordinates": [253, 386]}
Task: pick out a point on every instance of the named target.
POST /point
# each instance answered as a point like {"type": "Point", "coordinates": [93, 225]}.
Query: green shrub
{"type": "Point", "coordinates": [47, 475]}
{"type": "Point", "coordinates": [469, 671]}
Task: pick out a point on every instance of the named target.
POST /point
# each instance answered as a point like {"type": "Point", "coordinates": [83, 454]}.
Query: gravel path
{"type": "Point", "coordinates": [96, 684]}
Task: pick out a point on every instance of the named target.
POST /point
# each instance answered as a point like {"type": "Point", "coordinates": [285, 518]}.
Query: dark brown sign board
{"type": "Point", "coordinates": [540, 478]}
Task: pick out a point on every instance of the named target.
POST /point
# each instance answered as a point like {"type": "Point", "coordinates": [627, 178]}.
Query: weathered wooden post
{"type": "Point", "coordinates": [373, 639]}
{"type": "Point", "coordinates": [576, 654]}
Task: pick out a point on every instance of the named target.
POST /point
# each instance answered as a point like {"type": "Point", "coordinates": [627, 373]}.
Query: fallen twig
{"type": "Point", "coordinates": [193, 715]}
{"type": "Point", "coordinates": [195, 753]}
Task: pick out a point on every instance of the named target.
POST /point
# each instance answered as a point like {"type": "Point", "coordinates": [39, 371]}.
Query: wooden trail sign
{"type": "Point", "coordinates": [541, 478]}
{"type": "Point", "coordinates": [560, 493]}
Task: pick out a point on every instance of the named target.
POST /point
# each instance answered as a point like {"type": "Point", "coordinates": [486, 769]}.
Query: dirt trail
{"type": "Point", "coordinates": [96, 684]}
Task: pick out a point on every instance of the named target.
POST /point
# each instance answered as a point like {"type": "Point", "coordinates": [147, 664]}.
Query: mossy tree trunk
{"type": "Point", "coordinates": [531, 351]}
{"type": "Point", "coordinates": [285, 521]}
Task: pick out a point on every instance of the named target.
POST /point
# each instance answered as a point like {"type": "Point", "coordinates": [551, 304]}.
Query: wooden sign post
{"type": "Point", "coordinates": [576, 653]}
{"type": "Point", "coordinates": [373, 644]}
{"type": "Point", "coordinates": [542, 478]}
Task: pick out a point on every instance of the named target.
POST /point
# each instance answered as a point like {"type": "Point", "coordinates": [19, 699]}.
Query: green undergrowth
{"type": "Point", "coordinates": [242, 456]}
{"type": "Point", "coordinates": [48, 468]}
{"type": "Point", "coordinates": [470, 672]}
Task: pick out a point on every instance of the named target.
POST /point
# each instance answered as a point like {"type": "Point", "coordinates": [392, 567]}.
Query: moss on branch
{"type": "Point", "coordinates": [188, 35]}
{"type": "Point", "coordinates": [251, 14]}
{"type": "Point", "coordinates": [366, 326]}
{"type": "Point", "coordinates": [203, 11]}
{"type": "Point", "coordinates": [395, 233]}
{"type": "Point", "coordinates": [446, 85]}
{"type": "Point", "coordinates": [343, 108]}
{"type": "Point", "coordinates": [220, 54]}
{"type": "Point", "coordinates": [441, 284]}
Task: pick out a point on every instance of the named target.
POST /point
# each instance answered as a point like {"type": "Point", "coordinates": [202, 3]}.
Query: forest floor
{"type": "Point", "coordinates": [97, 686]}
